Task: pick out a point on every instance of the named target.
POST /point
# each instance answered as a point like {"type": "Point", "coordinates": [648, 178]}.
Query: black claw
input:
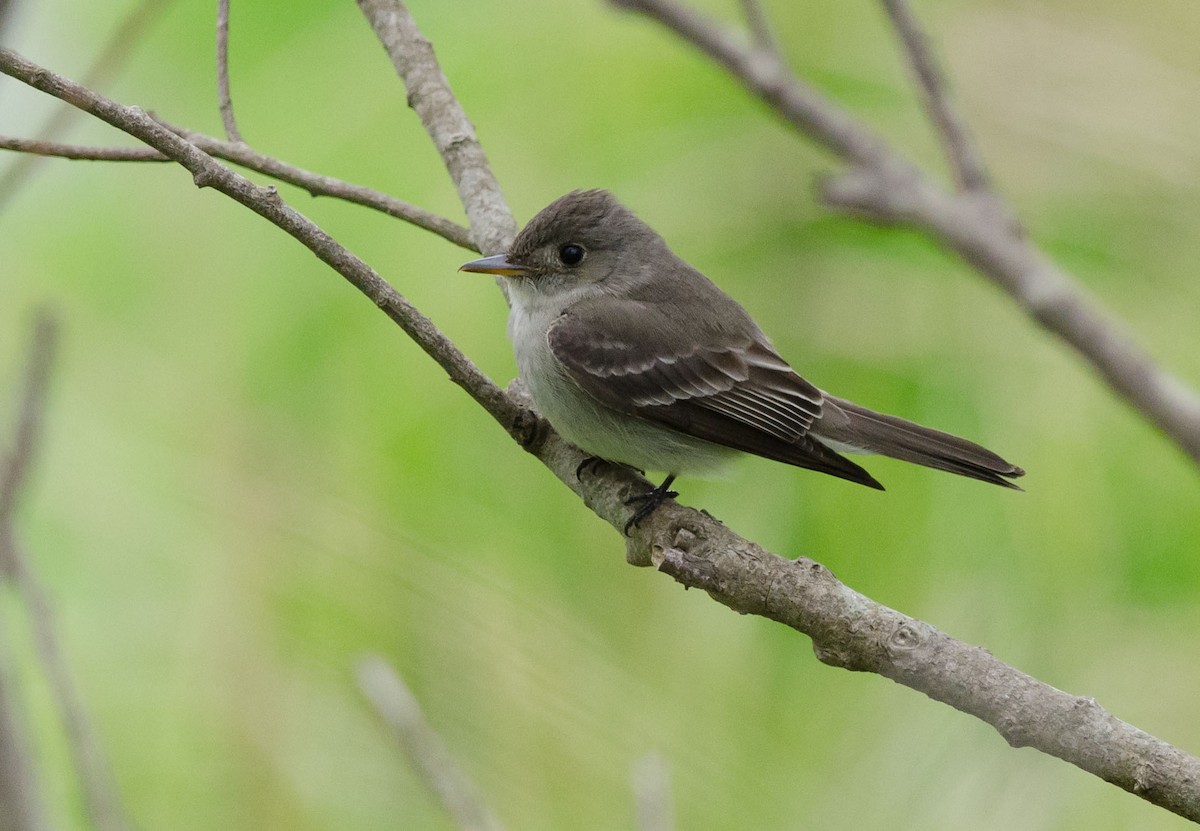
{"type": "Point", "coordinates": [587, 464]}
{"type": "Point", "coordinates": [649, 503]}
{"type": "Point", "coordinates": [528, 427]}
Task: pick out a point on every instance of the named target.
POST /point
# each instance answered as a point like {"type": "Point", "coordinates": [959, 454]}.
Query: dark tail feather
{"type": "Point", "coordinates": [900, 439]}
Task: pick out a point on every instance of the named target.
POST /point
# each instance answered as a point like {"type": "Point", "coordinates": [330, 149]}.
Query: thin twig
{"type": "Point", "coordinates": [888, 188]}
{"type": "Point", "coordinates": [266, 202]}
{"type": "Point", "coordinates": [6, 7]}
{"type": "Point", "coordinates": [951, 127]}
{"type": "Point", "coordinates": [848, 629]}
{"type": "Point", "coordinates": [79, 152]}
{"type": "Point", "coordinates": [21, 807]}
{"type": "Point", "coordinates": [652, 794]}
{"type": "Point", "coordinates": [19, 459]}
{"type": "Point", "coordinates": [101, 802]}
{"type": "Point", "coordinates": [132, 28]}
{"type": "Point", "coordinates": [231, 129]}
{"type": "Point", "coordinates": [101, 799]}
{"type": "Point", "coordinates": [426, 752]}
{"type": "Point", "coordinates": [241, 154]}
{"type": "Point", "coordinates": [760, 27]}
{"type": "Point", "coordinates": [430, 96]}
{"type": "Point", "coordinates": [762, 72]}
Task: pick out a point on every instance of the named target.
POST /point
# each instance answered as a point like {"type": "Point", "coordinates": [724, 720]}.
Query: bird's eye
{"type": "Point", "coordinates": [571, 254]}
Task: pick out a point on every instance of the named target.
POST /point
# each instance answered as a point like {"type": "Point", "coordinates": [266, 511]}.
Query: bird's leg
{"type": "Point", "coordinates": [649, 502]}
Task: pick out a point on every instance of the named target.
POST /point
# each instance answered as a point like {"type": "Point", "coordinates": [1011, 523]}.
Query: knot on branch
{"type": "Point", "coordinates": [883, 194]}
{"type": "Point", "coordinates": [677, 560]}
{"type": "Point", "coordinates": [907, 637]}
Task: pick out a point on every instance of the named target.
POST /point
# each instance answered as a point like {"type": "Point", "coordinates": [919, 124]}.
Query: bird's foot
{"type": "Point", "coordinates": [528, 428]}
{"type": "Point", "coordinates": [649, 503]}
{"type": "Point", "coordinates": [590, 463]}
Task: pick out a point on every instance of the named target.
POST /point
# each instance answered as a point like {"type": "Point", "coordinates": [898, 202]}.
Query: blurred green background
{"type": "Point", "coordinates": [251, 478]}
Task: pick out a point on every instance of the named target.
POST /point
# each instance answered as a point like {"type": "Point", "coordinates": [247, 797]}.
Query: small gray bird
{"type": "Point", "coordinates": [638, 358]}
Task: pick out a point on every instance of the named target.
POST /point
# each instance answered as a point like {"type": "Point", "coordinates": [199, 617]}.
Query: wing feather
{"type": "Point", "coordinates": [733, 390]}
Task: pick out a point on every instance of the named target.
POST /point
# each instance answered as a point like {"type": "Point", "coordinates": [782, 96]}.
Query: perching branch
{"type": "Point", "coordinates": [101, 802]}
{"type": "Point", "coordinates": [241, 154]}
{"type": "Point", "coordinates": [848, 629]}
{"type": "Point", "coordinates": [426, 752]}
{"type": "Point", "coordinates": [885, 187]}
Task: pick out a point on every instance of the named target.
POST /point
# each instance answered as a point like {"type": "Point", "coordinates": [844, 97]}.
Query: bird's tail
{"type": "Point", "coordinates": [849, 427]}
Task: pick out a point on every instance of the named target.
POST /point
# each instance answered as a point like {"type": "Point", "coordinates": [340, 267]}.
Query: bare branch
{"type": "Point", "coordinates": [652, 794]}
{"type": "Point", "coordinates": [29, 426]}
{"type": "Point", "coordinates": [100, 793]}
{"type": "Point", "coordinates": [763, 74]}
{"type": "Point", "coordinates": [429, 94]}
{"type": "Point", "coordinates": [964, 159]}
{"type": "Point", "coordinates": [888, 188]}
{"type": "Point", "coordinates": [21, 806]}
{"type": "Point", "coordinates": [265, 201]}
{"type": "Point", "coordinates": [132, 28]}
{"type": "Point", "coordinates": [426, 752]}
{"type": "Point", "coordinates": [851, 631]}
{"type": "Point", "coordinates": [241, 154]}
{"type": "Point", "coordinates": [760, 27]}
{"type": "Point", "coordinates": [78, 152]}
{"type": "Point", "coordinates": [230, 123]}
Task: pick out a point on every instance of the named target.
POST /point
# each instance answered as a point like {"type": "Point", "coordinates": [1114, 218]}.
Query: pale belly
{"type": "Point", "coordinates": [599, 430]}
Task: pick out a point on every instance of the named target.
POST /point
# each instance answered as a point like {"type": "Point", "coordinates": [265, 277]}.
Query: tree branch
{"type": "Point", "coordinates": [133, 26]}
{"type": "Point", "coordinates": [847, 628]}
{"type": "Point", "coordinates": [652, 794]}
{"type": "Point", "coordinates": [241, 154]}
{"type": "Point", "coordinates": [886, 187]}
{"type": "Point", "coordinates": [429, 94]}
{"type": "Point", "coordinates": [226, 100]}
{"type": "Point", "coordinates": [29, 426]}
{"type": "Point", "coordinates": [101, 802]}
{"type": "Point", "coordinates": [951, 127]}
{"type": "Point", "coordinates": [760, 27]}
{"type": "Point", "coordinates": [20, 797]}
{"type": "Point", "coordinates": [426, 752]}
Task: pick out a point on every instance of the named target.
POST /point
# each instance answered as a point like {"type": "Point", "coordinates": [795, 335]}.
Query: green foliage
{"type": "Point", "coordinates": [251, 478]}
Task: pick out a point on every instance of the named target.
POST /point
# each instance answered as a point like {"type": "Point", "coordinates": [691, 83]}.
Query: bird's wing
{"type": "Point", "coordinates": [724, 384]}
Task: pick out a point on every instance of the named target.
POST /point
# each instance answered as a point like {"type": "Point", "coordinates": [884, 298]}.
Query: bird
{"type": "Point", "coordinates": [638, 359]}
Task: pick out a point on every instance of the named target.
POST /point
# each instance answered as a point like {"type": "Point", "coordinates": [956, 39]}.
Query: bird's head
{"type": "Point", "coordinates": [574, 244]}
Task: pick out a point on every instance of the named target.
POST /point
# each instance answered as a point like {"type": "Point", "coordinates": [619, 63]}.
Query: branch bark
{"type": "Point", "coordinates": [847, 629]}
{"type": "Point", "coordinates": [429, 94]}
{"type": "Point", "coordinates": [224, 97]}
{"type": "Point", "coordinates": [241, 154]}
{"type": "Point", "coordinates": [137, 21]}
{"type": "Point", "coordinates": [884, 186]}
{"type": "Point", "coordinates": [964, 158]}
{"type": "Point", "coordinates": [100, 796]}
{"type": "Point", "coordinates": [426, 752]}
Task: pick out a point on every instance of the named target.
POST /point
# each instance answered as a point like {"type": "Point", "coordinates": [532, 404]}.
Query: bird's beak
{"type": "Point", "coordinates": [495, 264]}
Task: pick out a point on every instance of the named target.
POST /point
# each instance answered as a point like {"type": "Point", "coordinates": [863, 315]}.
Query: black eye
{"type": "Point", "coordinates": [571, 254]}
